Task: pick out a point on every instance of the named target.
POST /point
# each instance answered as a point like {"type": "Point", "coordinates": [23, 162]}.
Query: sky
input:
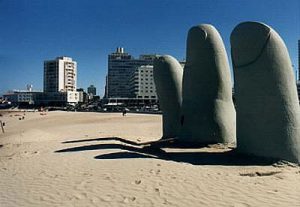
{"type": "Point", "coordinates": [32, 31]}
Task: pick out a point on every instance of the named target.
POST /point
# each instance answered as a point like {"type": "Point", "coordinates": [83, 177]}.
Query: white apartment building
{"type": "Point", "coordinates": [142, 83]}
{"type": "Point", "coordinates": [60, 75]}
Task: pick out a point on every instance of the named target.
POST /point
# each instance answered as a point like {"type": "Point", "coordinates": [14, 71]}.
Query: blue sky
{"type": "Point", "coordinates": [32, 31]}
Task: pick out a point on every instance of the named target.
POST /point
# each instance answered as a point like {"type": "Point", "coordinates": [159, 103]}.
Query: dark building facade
{"type": "Point", "coordinates": [92, 90]}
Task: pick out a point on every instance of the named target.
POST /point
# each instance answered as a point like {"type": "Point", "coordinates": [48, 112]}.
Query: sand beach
{"type": "Point", "coordinates": [90, 159]}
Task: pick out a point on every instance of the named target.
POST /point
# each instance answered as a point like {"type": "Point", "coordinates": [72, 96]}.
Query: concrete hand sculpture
{"type": "Point", "coordinates": [208, 114]}
{"type": "Point", "coordinates": [268, 114]}
{"type": "Point", "coordinates": [168, 81]}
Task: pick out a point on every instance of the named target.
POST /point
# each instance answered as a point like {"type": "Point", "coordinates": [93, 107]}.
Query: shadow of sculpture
{"type": "Point", "coordinates": [168, 142]}
{"type": "Point", "coordinates": [179, 153]}
{"type": "Point", "coordinates": [105, 139]}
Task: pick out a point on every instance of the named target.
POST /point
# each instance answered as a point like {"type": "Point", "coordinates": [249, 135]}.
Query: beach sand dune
{"type": "Point", "coordinates": [76, 159]}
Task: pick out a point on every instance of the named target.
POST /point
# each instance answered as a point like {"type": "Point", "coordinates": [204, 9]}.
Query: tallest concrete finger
{"type": "Point", "coordinates": [208, 114]}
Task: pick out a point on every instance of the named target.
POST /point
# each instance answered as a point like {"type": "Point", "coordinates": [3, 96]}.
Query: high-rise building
{"type": "Point", "coordinates": [299, 58]}
{"type": "Point", "coordinates": [121, 65]}
{"type": "Point", "coordinates": [91, 90]}
{"type": "Point", "coordinates": [142, 83]}
{"type": "Point", "coordinates": [60, 75]}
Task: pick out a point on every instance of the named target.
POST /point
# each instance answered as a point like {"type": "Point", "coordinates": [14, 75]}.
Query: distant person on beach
{"type": "Point", "coordinates": [124, 112]}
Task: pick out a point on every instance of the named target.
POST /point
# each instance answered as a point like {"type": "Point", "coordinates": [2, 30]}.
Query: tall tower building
{"type": "Point", "coordinates": [91, 90]}
{"type": "Point", "coordinates": [60, 75]}
{"type": "Point", "coordinates": [121, 65]}
{"type": "Point", "coordinates": [299, 59]}
{"type": "Point", "coordinates": [119, 68]}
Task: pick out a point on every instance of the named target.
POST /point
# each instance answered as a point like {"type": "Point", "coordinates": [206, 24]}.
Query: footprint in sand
{"type": "Point", "coordinates": [87, 174]}
{"type": "Point", "coordinates": [106, 198]}
{"type": "Point", "coordinates": [152, 171]}
{"type": "Point", "coordinates": [79, 196]}
{"type": "Point", "coordinates": [27, 153]}
{"type": "Point", "coordinates": [241, 205]}
{"type": "Point", "coordinates": [129, 199]}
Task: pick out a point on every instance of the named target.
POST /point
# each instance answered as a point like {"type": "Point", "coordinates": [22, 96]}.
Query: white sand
{"type": "Point", "coordinates": [99, 173]}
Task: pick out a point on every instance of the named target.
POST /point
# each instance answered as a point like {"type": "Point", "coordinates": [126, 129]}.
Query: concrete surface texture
{"type": "Point", "coordinates": [266, 96]}
{"type": "Point", "coordinates": [168, 80]}
{"type": "Point", "coordinates": [208, 114]}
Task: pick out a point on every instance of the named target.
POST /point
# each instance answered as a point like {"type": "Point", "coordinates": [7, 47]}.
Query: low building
{"type": "Point", "coordinates": [20, 97]}
{"type": "Point", "coordinates": [36, 98]}
{"type": "Point", "coordinates": [57, 98]}
{"type": "Point", "coordinates": [83, 96]}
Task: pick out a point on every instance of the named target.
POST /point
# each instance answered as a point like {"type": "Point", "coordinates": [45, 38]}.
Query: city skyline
{"type": "Point", "coordinates": [35, 31]}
